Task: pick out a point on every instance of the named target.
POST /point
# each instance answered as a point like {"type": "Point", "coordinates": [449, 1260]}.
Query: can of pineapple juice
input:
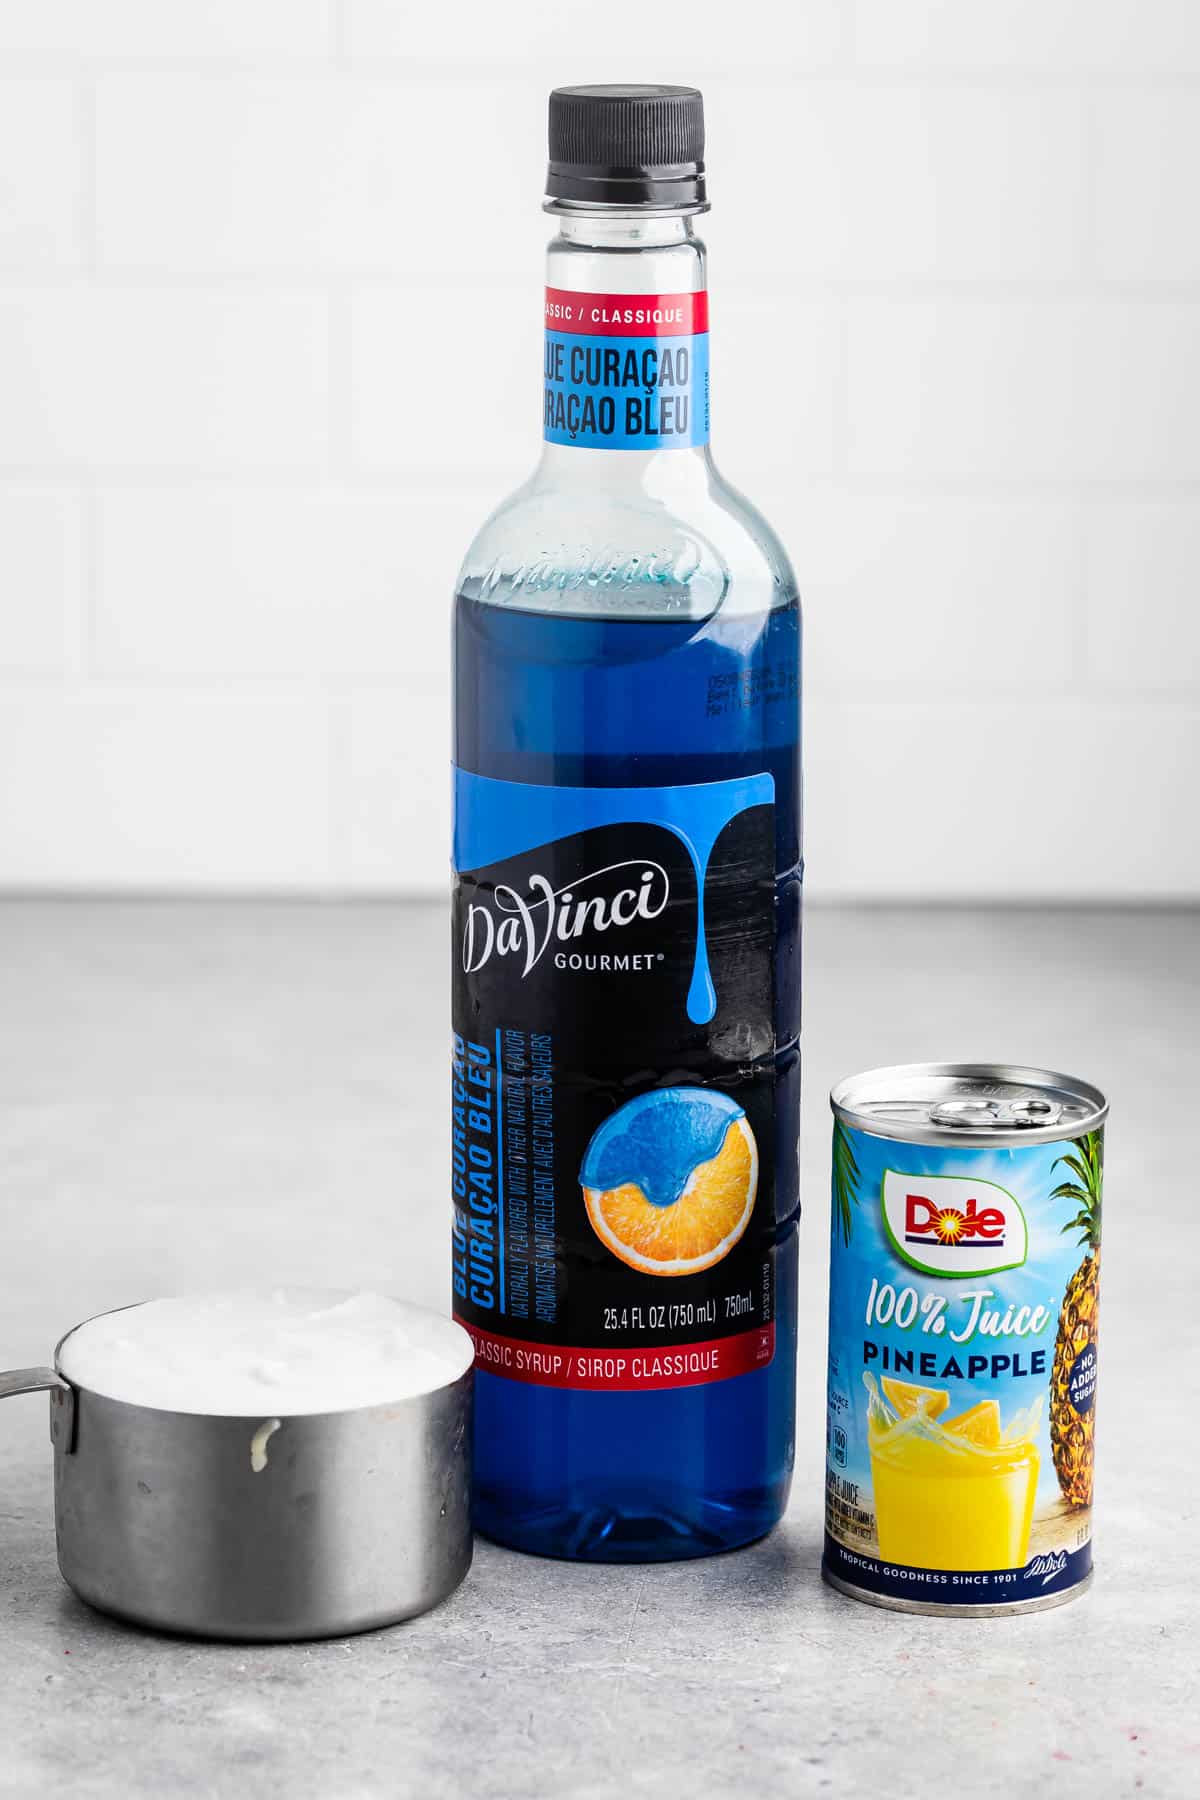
{"type": "Point", "coordinates": [963, 1321]}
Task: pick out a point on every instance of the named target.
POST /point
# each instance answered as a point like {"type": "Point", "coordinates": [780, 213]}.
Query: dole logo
{"type": "Point", "coordinates": [953, 1224]}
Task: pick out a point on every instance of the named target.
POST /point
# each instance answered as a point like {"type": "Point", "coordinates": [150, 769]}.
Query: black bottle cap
{"type": "Point", "coordinates": [635, 146]}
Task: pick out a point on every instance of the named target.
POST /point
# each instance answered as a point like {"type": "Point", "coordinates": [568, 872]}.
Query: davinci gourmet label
{"type": "Point", "coordinates": [612, 1232]}
{"type": "Point", "coordinates": [963, 1333]}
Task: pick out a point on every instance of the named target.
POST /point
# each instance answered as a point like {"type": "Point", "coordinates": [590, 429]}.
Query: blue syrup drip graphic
{"type": "Point", "coordinates": [495, 819]}
{"type": "Point", "coordinates": [702, 995]}
{"type": "Point", "coordinates": [658, 1140]}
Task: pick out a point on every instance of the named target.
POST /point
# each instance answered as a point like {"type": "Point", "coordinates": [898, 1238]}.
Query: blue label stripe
{"type": "Point", "coordinates": [626, 393]}
{"type": "Point", "coordinates": [497, 819]}
{"type": "Point", "coordinates": [1042, 1577]}
{"type": "Point", "coordinates": [500, 1158]}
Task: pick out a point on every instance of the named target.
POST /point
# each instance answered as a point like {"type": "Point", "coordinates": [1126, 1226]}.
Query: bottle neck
{"type": "Point", "coordinates": [626, 349]}
{"type": "Point", "coordinates": [603, 230]}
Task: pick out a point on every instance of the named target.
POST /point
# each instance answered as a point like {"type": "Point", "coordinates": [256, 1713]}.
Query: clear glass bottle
{"type": "Point", "coordinates": [627, 908]}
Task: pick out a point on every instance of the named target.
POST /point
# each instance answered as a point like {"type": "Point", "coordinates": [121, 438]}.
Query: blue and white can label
{"type": "Point", "coordinates": [626, 371]}
{"type": "Point", "coordinates": [963, 1335]}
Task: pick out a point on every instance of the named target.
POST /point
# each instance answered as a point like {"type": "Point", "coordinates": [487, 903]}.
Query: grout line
{"type": "Point", "coordinates": [420, 485]}
{"type": "Point", "coordinates": [88, 205]}
{"type": "Point", "coordinates": [365, 482]}
{"type": "Point", "coordinates": [340, 352]}
{"type": "Point", "coordinates": [339, 34]}
{"type": "Point", "coordinates": [86, 642]}
{"type": "Point", "coordinates": [1086, 246]}
{"type": "Point", "coordinates": [841, 396]}
{"type": "Point", "coordinates": [997, 489]}
{"type": "Point", "coordinates": [846, 57]}
{"type": "Point", "coordinates": [337, 817]}
{"type": "Point", "coordinates": [269, 282]}
{"type": "Point", "coordinates": [1078, 612]}
{"type": "Point", "coordinates": [341, 687]}
{"type": "Point", "coordinates": [1023, 79]}
{"type": "Point", "coordinates": [1090, 213]}
{"type": "Point", "coordinates": [18, 65]}
{"type": "Point", "coordinates": [413, 680]}
{"type": "Point", "coordinates": [879, 694]}
{"type": "Point", "coordinates": [844, 67]}
{"type": "Point", "coordinates": [395, 68]}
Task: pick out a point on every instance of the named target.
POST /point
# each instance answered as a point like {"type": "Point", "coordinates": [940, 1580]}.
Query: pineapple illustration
{"type": "Point", "coordinates": [1072, 1435]}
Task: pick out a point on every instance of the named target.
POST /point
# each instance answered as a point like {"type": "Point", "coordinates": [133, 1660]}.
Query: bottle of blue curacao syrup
{"type": "Point", "coordinates": [626, 931]}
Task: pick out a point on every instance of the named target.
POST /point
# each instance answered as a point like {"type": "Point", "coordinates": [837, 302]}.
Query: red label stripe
{"type": "Point", "coordinates": [626, 315]}
{"type": "Point", "coordinates": [622, 1371]}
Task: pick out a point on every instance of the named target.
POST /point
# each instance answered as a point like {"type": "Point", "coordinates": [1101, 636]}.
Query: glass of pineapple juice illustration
{"type": "Point", "coordinates": [950, 1493]}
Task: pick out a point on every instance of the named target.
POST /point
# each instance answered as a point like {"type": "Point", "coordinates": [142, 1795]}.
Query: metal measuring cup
{"type": "Point", "coordinates": [304, 1526]}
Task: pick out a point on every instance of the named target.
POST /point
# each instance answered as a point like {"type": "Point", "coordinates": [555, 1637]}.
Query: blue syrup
{"type": "Point", "coordinates": [557, 699]}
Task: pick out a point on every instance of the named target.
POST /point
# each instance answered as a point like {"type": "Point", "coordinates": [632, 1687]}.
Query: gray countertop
{"type": "Point", "coordinates": [198, 1095]}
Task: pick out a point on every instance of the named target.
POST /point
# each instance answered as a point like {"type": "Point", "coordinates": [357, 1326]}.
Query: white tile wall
{"type": "Point", "coordinates": [800, 341]}
{"type": "Point", "coordinates": [926, 789]}
{"type": "Point", "coordinates": [97, 377]}
{"type": "Point", "coordinates": [570, 38]}
{"type": "Point", "coordinates": [41, 580]}
{"type": "Point", "coordinates": [1020, 390]}
{"type": "Point", "coordinates": [202, 31]}
{"type": "Point", "coordinates": [115, 787]}
{"type": "Point", "coordinates": [280, 583]}
{"type": "Point", "coordinates": [308, 174]}
{"type": "Point", "coordinates": [925, 599]}
{"type": "Point", "coordinates": [41, 126]}
{"type": "Point", "coordinates": [903, 180]}
{"type": "Point", "coordinates": [1054, 37]}
{"type": "Point", "coordinates": [417, 408]}
{"type": "Point", "coordinates": [1147, 160]}
{"type": "Point", "coordinates": [241, 451]}
{"type": "Point", "coordinates": [392, 780]}
{"type": "Point", "coordinates": [1143, 584]}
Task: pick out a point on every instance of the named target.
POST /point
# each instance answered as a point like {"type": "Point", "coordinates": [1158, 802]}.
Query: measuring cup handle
{"type": "Point", "coordinates": [28, 1381]}
{"type": "Point", "coordinates": [62, 1398]}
